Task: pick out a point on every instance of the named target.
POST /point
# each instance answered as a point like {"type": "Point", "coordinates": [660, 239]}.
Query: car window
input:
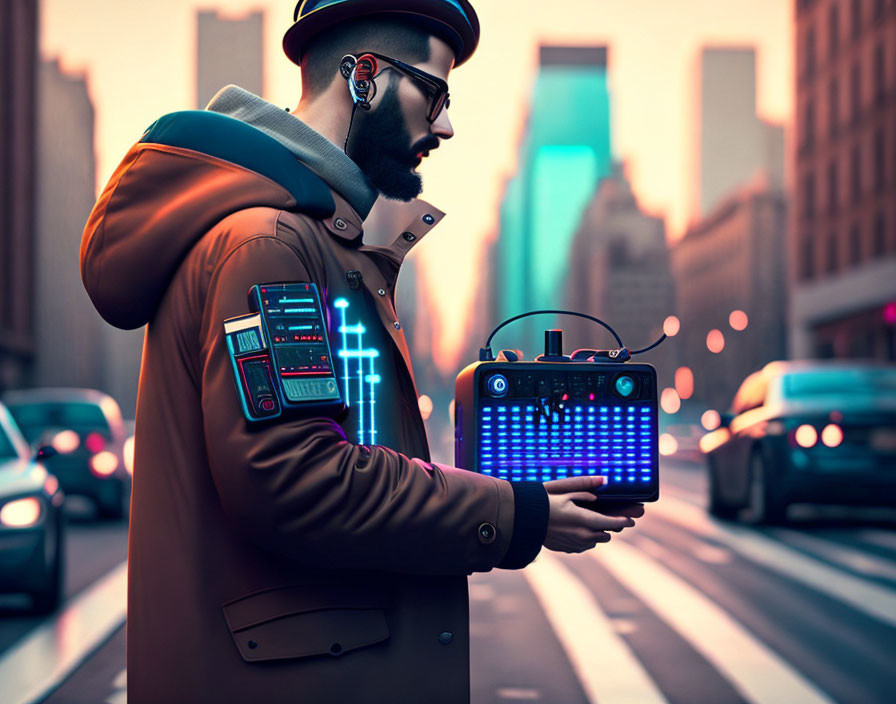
{"type": "Point", "coordinates": [7, 449]}
{"type": "Point", "coordinates": [34, 418]}
{"type": "Point", "coordinates": [851, 381]}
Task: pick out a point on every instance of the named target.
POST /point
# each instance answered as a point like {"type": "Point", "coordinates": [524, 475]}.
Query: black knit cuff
{"type": "Point", "coordinates": [530, 524]}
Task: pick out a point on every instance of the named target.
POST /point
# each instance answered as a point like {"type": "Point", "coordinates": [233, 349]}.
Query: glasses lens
{"type": "Point", "coordinates": [440, 101]}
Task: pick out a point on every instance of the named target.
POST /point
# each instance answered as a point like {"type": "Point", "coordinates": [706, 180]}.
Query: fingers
{"type": "Point", "coordinates": [598, 521]}
{"type": "Point", "coordinates": [573, 484]}
{"type": "Point", "coordinates": [630, 510]}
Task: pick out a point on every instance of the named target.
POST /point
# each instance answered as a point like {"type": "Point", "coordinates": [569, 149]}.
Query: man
{"type": "Point", "coordinates": [315, 557]}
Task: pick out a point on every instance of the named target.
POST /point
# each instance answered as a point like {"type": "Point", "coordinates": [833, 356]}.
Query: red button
{"type": "Point", "coordinates": [267, 405]}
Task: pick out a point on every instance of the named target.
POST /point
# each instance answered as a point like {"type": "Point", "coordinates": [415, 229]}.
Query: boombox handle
{"type": "Point", "coordinates": [486, 355]}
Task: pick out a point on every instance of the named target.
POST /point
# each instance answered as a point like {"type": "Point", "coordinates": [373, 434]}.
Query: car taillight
{"type": "Point", "coordinates": [20, 513]}
{"type": "Point", "coordinates": [65, 441]}
{"type": "Point", "coordinates": [805, 436]}
{"type": "Point", "coordinates": [103, 464]}
{"type": "Point", "coordinates": [95, 443]}
{"type": "Point", "coordinates": [832, 435]}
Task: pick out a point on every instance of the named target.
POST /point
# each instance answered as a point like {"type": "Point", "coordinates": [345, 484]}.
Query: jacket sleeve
{"type": "Point", "coordinates": [299, 487]}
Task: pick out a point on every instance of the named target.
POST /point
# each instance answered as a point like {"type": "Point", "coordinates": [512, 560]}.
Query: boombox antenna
{"type": "Point", "coordinates": [486, 355]}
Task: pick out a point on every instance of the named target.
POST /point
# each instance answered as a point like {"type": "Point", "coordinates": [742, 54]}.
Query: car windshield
{"type": "Point", "coordinates": [841, 382]}
{"type": "Point", "coordinates": [7, 450]}
{"type": "Point", "coordinates": [34, 418]}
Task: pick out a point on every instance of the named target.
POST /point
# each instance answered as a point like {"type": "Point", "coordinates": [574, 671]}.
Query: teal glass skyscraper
{"type": "Point", "coordinates": [563, 155]}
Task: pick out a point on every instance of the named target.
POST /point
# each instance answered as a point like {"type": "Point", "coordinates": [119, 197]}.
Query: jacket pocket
{"type": "Point", "coordinates": [301, 621]}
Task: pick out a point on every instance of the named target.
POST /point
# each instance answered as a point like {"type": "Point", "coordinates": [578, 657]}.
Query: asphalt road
{"type": "Point", "coordinates": [682, 608]}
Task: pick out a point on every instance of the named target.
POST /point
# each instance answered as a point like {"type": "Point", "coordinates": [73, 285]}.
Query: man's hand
{"type": "Point", "coordinates": [572, 528]}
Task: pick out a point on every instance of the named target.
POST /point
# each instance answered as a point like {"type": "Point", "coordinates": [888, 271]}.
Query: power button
{"type": "Point", "coordinates": [497, 385]}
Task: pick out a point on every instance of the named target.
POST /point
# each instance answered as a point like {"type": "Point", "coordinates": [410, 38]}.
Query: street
{"type": "Point", "coordinates": [682, 608]}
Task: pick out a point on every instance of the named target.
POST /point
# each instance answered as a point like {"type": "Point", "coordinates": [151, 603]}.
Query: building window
{"type": "Point", "coordinates": [879, 159]}
{"type": "Point", "coordinates": [833, 201]}
{"type": "Point", "coordinates": [855, 169]}
{"type": "Point", "coordinates": [879, 246]}
{"type": "Point", "coordinates": [833, 106]}
{"type": "Point", "coordinates": [832, 254]}
{"type": "Point", "coordinates": [879, 90]}
{"type": "Point", "coordinates": [855, 245]}
{"type": "Point", "coordinates": [809, 196]}
{"type": "Point", "coordinates": [855, 92]}
{"type": "Point", "coordinates": [809, 124]}
{"type": "Point", "coordinates": [833, 31]}
{"type": "Point", "coordinates": [807, 269]}
{"type": "Point", "coordinates": [856, 18]}
{"type": "Point", "coordinates": [810, 53]}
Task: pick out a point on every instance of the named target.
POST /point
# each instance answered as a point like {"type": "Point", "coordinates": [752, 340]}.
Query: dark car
{"type": "Point", "coordinates": [32, 523]}
{"type": "Point", "coordinates": [821, 432]}
{"type": "Point", "coordinates": [85, 427]}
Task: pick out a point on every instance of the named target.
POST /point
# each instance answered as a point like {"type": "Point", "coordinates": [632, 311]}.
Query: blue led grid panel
{"type": "Point", "coordinates": [516, 442]}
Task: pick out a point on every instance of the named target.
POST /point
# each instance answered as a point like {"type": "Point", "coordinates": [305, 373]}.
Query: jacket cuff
{"type": "Point", "coordinates": [530, 524]}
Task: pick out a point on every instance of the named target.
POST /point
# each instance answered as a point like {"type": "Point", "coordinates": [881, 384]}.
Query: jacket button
{"type": "Point", "coordinates": [340, 224]}
{"type": "Point", "coordinates": [335, 649]}
{"type": "Point", "coordinates": [252, 645]}
{"type": "Point", "coordinates": [409, 236]}
{"type": "Point", "coordinates": [428, 219]}
{"type": "Point", "coordinates": [381, 291]}
{"type": "Point", "coordinates": [445, 638]}
{"type": "Point", "coordinates": [397, 325]}
{"type": "Point", "coordinates": [487, 533]}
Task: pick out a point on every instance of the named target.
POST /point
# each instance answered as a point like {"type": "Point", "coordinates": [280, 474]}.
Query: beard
{"type": "Point", "coordinates": [380, 144]}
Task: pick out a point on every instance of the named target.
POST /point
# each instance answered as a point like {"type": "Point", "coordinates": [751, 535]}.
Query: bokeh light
{"type": "Point", "coordinates": [715, 341]}
{"type": "Point", "coordinates": [671, 326]}
{"type": "Point", "coordinates": [684, 382]}
{"type": "Point", "coordinates": [425, 403]}
{"type": "Point", "coordinates": [832, 435]}
{"type": "Point", "coordinates": [668, 445]}
{"type": "Point", "coordinates": [128, 453]}
{"type": "Point", "coordinates": [670, 401]}
{"type": "Point", "coordinates": [711, 419]}
{"type": "Point", "coordinates": [65, 441]}
{"type": "Point", "coordinates": [738, 320]}
{"type": "Point", "coordinates": [806, 436]}
{"type": "Point", "coordinates": [104, 464]}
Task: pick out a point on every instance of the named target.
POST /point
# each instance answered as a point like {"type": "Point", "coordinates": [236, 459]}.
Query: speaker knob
{"type": "Point", "coordinates": [497, 385]}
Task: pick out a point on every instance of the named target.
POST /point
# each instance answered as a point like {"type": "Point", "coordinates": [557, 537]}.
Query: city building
{"type": "Point", "coordinates": [619, 272]}
{"type": "Point", "coordinates": [565, 151]}
{"type": "Point", "coordinates": [843, 225]}
{"type": "Point", "coordinates": [730, 274]}
{"type": "Point", "coordinates": [18, 98]}
{"type": "Point", "coordinates": [731, 144]}
{"type": "Point", "coordinates": [228, 50]}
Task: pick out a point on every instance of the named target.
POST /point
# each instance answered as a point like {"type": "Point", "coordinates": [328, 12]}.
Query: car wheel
{"type": "Point", "coordinates": [764, 504]}
{"type": "Point", "coordinates": [717, 506]}
{"type": "Point", "coordinates": [47, 599]}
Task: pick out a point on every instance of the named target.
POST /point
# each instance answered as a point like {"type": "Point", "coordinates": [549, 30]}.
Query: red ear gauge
{"type": "Point", "coordinates": [366, 67]}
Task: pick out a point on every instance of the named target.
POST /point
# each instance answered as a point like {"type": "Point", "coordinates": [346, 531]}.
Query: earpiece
{"type": "Point", "coordinates": [359, 73]}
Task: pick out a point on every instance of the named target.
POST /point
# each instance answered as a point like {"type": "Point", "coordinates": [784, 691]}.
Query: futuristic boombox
{"type": "Point", "coordinates": [561, 416]}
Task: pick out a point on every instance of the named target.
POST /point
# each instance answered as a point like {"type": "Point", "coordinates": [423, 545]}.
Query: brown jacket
{"type": "Point", "coordinates": [283, 563]}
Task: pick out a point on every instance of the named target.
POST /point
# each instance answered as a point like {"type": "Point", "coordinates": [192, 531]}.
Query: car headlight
{"type": "Point", "coordinates": [20, 513]}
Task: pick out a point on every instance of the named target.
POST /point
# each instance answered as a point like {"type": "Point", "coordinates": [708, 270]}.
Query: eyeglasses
{"type": "Point", "coordinates": [436, 88]}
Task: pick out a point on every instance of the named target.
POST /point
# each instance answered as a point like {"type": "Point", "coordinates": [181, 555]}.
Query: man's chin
{"type": "Point", "coordinates": [404, 186]}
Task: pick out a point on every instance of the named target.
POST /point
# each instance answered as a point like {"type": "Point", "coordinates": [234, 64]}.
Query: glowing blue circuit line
{"type": "Point", "coordinates": [342, 304]}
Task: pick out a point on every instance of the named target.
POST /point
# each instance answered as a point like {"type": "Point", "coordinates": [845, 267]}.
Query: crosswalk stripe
{"type": "Point", "coordinates": [870, 598]}
{"type": "Point", "coordinates": [603, 662]}
{"type": "Point", "coordinates": [851, 558]}
{"type": "Point", "coordinates": [53, 650]}
{"type": "Point", "coordinates": [761, 676]}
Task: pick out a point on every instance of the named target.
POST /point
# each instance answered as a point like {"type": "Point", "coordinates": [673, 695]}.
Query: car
{"type": "Point", "coordinates": [86, 429]}
{"type": "Point", "coordinates": [32, 522]}
{"type": "Point", "coordinates": [818, 432]}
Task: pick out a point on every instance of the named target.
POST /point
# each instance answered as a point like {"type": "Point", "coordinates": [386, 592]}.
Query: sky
{"type": "Point", "coordinates": [139, 60]}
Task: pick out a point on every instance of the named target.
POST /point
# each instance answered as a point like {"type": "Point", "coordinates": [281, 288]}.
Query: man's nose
{"type": "Point", "coordinates": [442, 126]}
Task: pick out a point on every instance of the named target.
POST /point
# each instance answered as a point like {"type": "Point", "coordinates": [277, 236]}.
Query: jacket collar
{"type": "Point", "coordinates": [347, 225]}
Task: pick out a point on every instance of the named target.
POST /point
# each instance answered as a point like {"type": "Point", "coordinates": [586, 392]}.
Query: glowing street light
{"type": "Point", "coordinates": [715, 341]}
{"type": "Point", "coordinates": [684, 382]}
{"type": "Point", "coordinates": [671, 326]}
{"type": "Point", "coordinates": [670, 401]}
